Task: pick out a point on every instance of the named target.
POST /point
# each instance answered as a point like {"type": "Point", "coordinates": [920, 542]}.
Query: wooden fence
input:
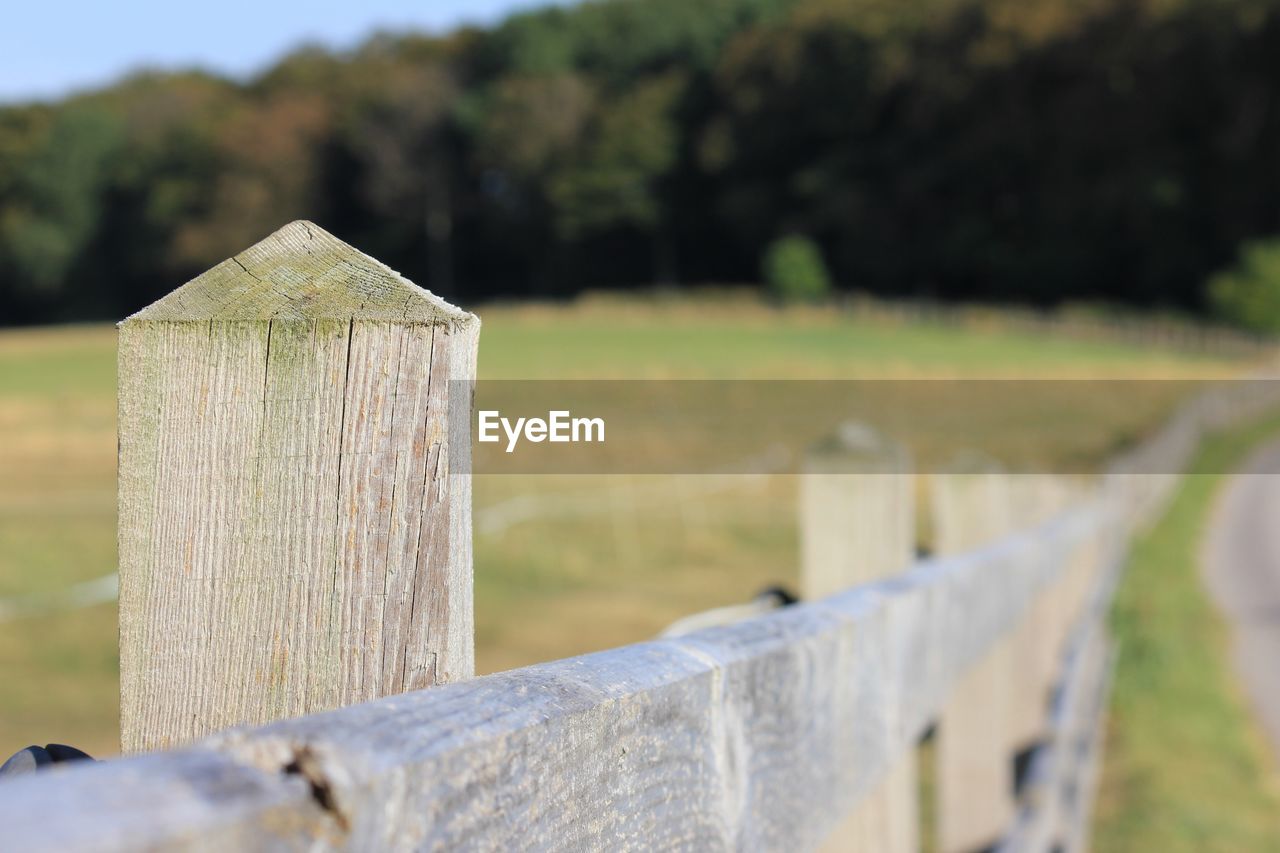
{"type": "Point", "coordinates": [295, 540]}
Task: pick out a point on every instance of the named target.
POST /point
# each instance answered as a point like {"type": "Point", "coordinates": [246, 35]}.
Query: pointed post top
{"type": "Point", "coordinates": [303, 272]}
{"type": "Point", "coordinates": [857, 448]}
{"type": "Point", "coordinates": [295, 495]}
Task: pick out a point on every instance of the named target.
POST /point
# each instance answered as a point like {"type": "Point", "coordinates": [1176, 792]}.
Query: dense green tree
{"type": "Point", "coordinates": [1248, 294]}
{"type": "Point", "coordinates": [57, 168]}
{"type": "Point", "coordinates": [401, 132]}
{"type": "Point", "coordinates": [630, 145]}
{"type": "Point", "coordinates": [1024, 150]}
{"type": "Point", "coordinates": [794, 270]}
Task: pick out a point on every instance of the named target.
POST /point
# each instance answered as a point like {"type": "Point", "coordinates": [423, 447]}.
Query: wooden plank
{"type": "Point", "coordinates": [294, 518]}
{"type": "Point", "coordinates": [755, 736]}
{"type": "Point", "coordinates": [857, 522]}
{"type": "Point", "coordinates": [619, 750]}
{"type": "Point", "coordinates": [192, 800]}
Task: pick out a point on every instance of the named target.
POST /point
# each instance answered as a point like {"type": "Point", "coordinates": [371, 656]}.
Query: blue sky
{"type": "Point", "coordinates": [50, 47]}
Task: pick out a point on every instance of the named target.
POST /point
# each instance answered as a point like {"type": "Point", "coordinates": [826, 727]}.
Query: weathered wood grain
{"type": "Point", "coordinates": [857, 523]}
{"type": "Point", "coordinates": [755, 736]}
{"type": "Point", "coordinates": [294, 519]}
{"type": "Point", "coordinates": [192, 800]}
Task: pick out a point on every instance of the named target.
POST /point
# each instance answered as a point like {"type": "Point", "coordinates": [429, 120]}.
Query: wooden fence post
{"type": "Point", "coordinates": [1040, 640]}
{"type": "Point", "coordinates": [295, 517]}
{"type": "Point", "coordinates": [975, 736]}
{"type": "Point", "coordinates": [857, 520]}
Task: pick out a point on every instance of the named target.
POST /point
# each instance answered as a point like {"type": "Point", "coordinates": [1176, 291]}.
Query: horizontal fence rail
{"type": "Point", "coordinates": [758, 735]}
{"type": "Point", "coordinates": [771, 726]}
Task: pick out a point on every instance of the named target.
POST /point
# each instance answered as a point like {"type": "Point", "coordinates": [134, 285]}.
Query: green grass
{"type": "Point", "coordinates": [1185, 766]}
{"type": "Point", "coordinates": [639, 340]}
{"type": "Point", "coordinates": [615, 567]}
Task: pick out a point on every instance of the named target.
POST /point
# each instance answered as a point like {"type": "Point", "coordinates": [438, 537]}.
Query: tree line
{"type": "Point", "coordinates": [1031, 151]}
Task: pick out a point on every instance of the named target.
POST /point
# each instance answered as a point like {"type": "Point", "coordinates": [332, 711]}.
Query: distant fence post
{"type": "Point", "coordinates": [1039, 641]}
{"type": "Point", "coordinates": [295, 518]}
{"type": "Point", "coordinates": [857, 520]}
{"type": "Point", "coordinates": [975, 743]}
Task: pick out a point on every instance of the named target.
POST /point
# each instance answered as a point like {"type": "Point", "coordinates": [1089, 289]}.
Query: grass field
{"type": "Point", "coordinates": [600, 561]}
{"type": "Point", "coordinates": [1185, 766]}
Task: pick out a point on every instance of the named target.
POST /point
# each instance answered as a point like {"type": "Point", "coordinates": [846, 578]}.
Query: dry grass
{"type": "Point", "coordinates": [612, 565]}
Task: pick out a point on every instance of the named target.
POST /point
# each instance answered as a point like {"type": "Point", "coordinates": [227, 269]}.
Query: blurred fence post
{"type": "Point", "coordinates": [975, 745]}
{"type": "Point", "coordinates": [295, 515]}
{"type": "Point", "coordinates": [857, 525]}
{"type": "Point", "coordinates": [1038, 643]}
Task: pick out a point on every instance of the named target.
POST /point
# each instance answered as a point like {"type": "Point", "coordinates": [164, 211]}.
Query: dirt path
{"type": "Point", "coordinates": [1241, 564]}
